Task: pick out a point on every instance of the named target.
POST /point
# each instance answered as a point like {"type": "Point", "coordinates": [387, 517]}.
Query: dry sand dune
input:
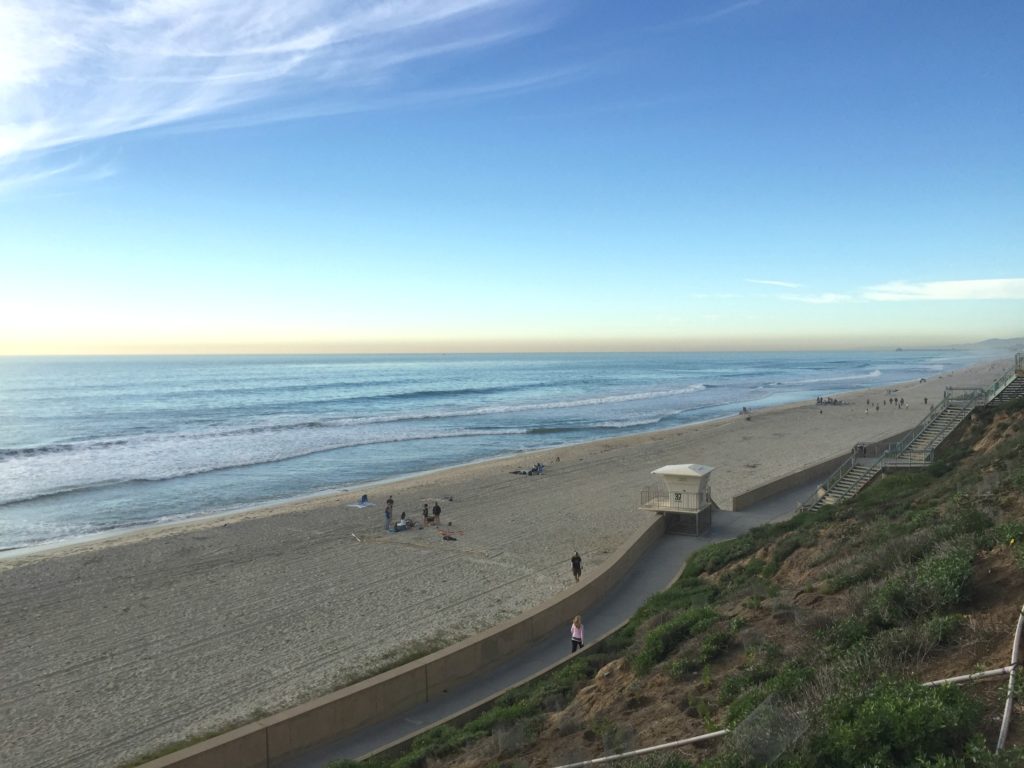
{"type": "Point", "coordinates": [117, 647]}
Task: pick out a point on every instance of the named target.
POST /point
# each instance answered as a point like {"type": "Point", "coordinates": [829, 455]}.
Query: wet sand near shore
{"type": "Point", "coordinates": [119, 646]}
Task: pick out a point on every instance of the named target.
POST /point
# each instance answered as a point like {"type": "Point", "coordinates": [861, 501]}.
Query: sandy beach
{"type": "Point", "coordinates": [117, 647]}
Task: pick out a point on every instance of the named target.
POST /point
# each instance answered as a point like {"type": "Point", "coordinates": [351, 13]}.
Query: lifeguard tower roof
{"type": "Point", "coordinates": [683, 470]}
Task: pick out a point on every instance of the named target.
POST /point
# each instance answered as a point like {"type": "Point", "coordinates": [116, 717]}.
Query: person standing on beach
{"type": "Point", "coordinates": [437, 513]}
{"type": "Point", "coordinates": [576, 631]}
{"type": "Point", "coordinates": [577, 565]}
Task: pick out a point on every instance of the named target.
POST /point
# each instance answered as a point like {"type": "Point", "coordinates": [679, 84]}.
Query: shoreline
{"type": "Point", "coordinates": [283, 505]}
{"type": "Point", "coordinates": [143, 639]}
{"type": "Point", "coordinates": [201, 520]}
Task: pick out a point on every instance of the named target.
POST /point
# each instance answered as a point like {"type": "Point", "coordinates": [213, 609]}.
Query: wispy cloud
{"type": "Point", "coordinates": [948, 290]}
{"type": "Point", "coordinates": [14, 176]}
{"type": "Point", "coordinates": [821, 298]}
{"type": "Point", "coordinates": [727, 10]}
{"type": "Point", "coordinates": [779, 283]}
{"type": "Point", "coordinates": [716, 296]}
{"type": "Point", "coordinates": [76, 71]}
{"type": "Point", "coordinates": [943, 290]}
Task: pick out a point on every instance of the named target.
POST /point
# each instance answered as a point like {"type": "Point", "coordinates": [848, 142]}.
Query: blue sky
{"type": "Point", "coordinates": [296, 175]}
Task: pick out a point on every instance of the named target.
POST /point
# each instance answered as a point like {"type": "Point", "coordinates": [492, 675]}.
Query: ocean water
{"type": "Point", "coordinates": [96, 444]}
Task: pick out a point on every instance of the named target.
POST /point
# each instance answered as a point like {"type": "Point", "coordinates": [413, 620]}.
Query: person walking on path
{"type": "Point", "coordinates": [577, 565]}
{"type": "Point", "coordinates": [576, 630]}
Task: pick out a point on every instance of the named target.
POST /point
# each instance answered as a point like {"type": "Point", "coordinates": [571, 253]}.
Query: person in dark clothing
{"type": "Point", "coordinates": [437, 513]}
{"type": "Point", "coordinates": [577, 565]}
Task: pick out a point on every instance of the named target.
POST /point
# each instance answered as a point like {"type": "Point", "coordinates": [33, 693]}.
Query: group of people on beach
{"type": "Point", "coordinates": [402, 523]}
{"type": "Point", "coordinates": [898, 402]}
{"type": "Point", "coordinates": [432, 515]}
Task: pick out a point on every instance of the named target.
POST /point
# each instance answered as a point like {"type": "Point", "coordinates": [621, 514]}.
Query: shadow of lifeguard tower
{"type": "Point", "coordinates": [683, 497]}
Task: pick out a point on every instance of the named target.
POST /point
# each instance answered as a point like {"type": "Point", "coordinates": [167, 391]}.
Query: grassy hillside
{"type": "Point", "coordinates": [808, 639]}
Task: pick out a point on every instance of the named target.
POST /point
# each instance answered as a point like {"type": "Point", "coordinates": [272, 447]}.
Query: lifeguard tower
{"type": "Point", "coordinates": [683, 497]}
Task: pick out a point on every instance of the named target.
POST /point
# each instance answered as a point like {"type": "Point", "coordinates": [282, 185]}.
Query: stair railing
{"type": "Point", "coordinates": [1000, 384]}
{"type": "Point", "coordinates": [822, 490]}
{"type": "Point", "coordinates": [895, 449]}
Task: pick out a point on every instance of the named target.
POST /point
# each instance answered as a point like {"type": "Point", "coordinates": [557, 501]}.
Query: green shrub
{"type": "Point", "coordinates": [1010, 535]}
{"type": "Point", "coordinates": [687, 592]}
{"type": "Point", "coordinates": [614, 736]}
{"type": "Point", "coordinates": [744, 704]}
{"type": "Point", "coordinates": [739, 682]}
{"type": "Point", "coordinates": [876, 561]}
{"type": "Point", "coordinates": [848, 631]}
{"type": "Point", "coordinates": [714, 645]}
{"type": "Point", "coordinates": [716, 556]}
{"type": "Point", "coordinates": [941, 630]}
{"type": "Point", "coordinates": [662, 640]}
{"type": "Point", "coordinates": [941, 579]}
{"type": "Point", "coordinates": [936, 583]}
{"type": "Point", "coordinates": [895, 723]}
{"type": "Point", "coordinates": [784, 681]}
{"type": "Point", "coordinates": [682, 668]}
{"type": "Point", "coordinates": [977, 755]}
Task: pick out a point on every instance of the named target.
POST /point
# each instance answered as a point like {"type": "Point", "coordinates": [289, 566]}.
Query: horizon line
{"type": "Point", "coordinates": [568, 350]}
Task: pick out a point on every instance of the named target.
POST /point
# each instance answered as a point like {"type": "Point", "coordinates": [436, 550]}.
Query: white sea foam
{"type": "Point", "coordinates": [164, 457]}
{"type": "Point", "coordinates": [875, 374]}
{"type": "Point", "coordinates": [59, 468]}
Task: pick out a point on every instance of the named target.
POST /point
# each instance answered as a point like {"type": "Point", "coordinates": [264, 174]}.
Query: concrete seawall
{"type": "Point", "coordinates": [268, 742]}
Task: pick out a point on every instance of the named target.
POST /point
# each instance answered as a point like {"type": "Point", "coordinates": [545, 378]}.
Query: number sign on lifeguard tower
{"type": "Point", "coordinates": [684, 498]}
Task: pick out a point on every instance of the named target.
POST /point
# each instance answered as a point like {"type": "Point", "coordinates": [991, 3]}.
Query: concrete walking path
{"type": "Point", "coordinates": [656, 570]}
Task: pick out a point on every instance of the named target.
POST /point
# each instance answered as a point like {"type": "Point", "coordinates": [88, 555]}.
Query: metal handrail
{"type": "Point", "coordinates": [1000, 384]}
{"type": "Point", "coordinates": [933, 414]}
{"type": "Point", "coordinates": [682, 501]}
{"type": "Point", "coordinates": [822, 490]}
{"type": "Point", "coordinates": [972, 390]}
